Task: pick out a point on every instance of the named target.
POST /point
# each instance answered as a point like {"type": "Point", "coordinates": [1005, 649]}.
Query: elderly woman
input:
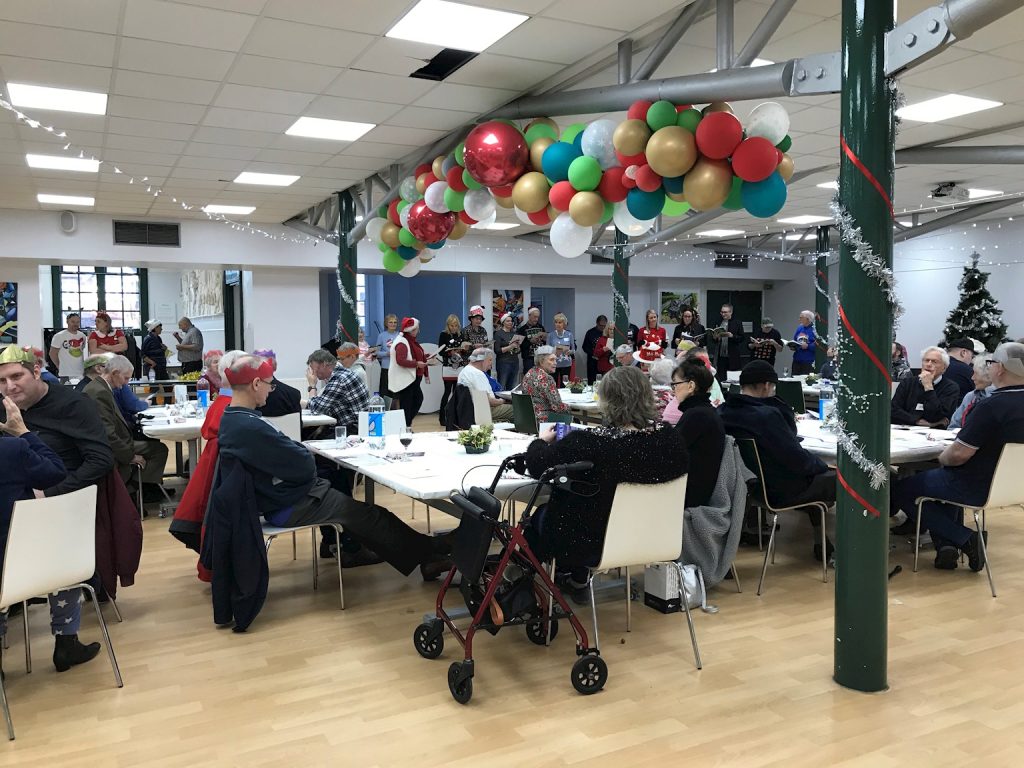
{"type": "Point", "coordinates": [506, 350]}
{"type": "Point", "coordinates": [562, 340]}
{"type": "Point", "coordinates": [539, 384]}
{"type": "Point", "coordinates": [630, 447]}
{"type": "Point", "coordinates": [154, 354]}
{"type": "Point", "coordinates": [661, 383]}
{"type": "Point", "coordinates": [701, 428]}
{"type": "Point", "coordinates": [105, 338]}
{"type": "Point", "coordinates": [983, 387]}
{"type": "Point", "coordinates": [212, 373]}
{"type": "Point", "coordinates": [474, 335]}
{"type": "Point", "coordinates": [384, 341]}
{"type": "Point", "coordinates": [449, 346]}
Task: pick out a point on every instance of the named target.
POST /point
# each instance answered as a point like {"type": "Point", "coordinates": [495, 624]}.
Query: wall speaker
{"type": "Point", "coordinates": [68, 222]}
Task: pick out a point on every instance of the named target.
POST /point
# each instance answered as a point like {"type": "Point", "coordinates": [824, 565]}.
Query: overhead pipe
{"type": "Point", "coordinates": [984, 155]}
{"type": "Point", "coordinates": [725, 17]}
{"type": "Point", "coordinates": [965, 17]}
{"type": "Point", "coordinates": [957, 217]}
{"type": "Point", "coordinates": [769, 25]}
{"type": "Point", "coordinates": [686, 19]}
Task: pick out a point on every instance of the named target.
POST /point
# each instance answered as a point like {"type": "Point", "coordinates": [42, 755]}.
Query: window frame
{"type": "Point", "coordinates": [57, 271]}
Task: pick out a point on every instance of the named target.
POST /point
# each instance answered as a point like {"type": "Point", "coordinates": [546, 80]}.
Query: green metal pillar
{"type": "Point", "coordinates": [348, 318]}
{"type": "Point", "coordinates": [865, 190]}
{"type": "Point", "coordinates": [620, 289]}
{"type": "Point", "coordinates": [822, 297]}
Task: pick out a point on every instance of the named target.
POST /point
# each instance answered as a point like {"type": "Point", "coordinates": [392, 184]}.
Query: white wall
{"type": "Point", "coordinates": [284, 316]}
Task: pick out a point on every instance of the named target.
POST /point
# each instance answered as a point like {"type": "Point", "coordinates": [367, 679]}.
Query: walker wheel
{"type": "Point", "coordinates": [589, 674]}
{"type": "Point", "coordinates": [429, 639]}
{"type": "Point", "coordinates": [536, 631]}
{"type": "Point", "coordinates": [462, 691]}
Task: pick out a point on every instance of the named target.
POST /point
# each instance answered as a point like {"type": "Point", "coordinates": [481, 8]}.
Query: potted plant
{"type": "Point", "coordinates": [576, 386]}
{"type": "Point", "coordinates": [477, 439]}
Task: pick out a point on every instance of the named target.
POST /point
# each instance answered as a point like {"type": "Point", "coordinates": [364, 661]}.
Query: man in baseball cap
{"type": "Point", "coordinates": [961, 355]}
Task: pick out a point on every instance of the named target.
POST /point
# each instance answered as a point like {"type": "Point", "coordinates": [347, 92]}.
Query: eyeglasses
{"type": "Point", "coordinates": [990, 361]}
{"type": "Point", "coordinates": [677, 383]}
{"type": "Point", "coordinates": [270, 384]}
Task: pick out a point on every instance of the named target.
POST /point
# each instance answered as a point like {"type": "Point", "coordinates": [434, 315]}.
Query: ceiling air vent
{"type": "Point", "coordinates": [446, 63]}
{"type": "Point", "coordinates": [147, 233]}
{"type": "Point", "coordinates": [731, 261]}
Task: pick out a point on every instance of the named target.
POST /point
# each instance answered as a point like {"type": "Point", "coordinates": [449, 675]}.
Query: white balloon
{"type": "Point", "coordinates": [411, 268]}
{"type": "Point", "coordinates": [373, 229]}
{"type": "Point", "coordinates": [407, 190]}
{"type": "Point", "coordinates": [631, 171]}
{"type": "Point", "coordinates": [628, 223]}
{"type": "Point", "coordinates": [769, 120]}
{"type": "Point", "coordinates": [479, 204]}
{"type": "Point", "coordinates": [523, 216]}
{"type": "Point", "coordinates": [427, 254]}
{"type": "Point", "coordinates": [403, 216]}
{"type": "Point", "coordinates": [597, 142]}
{"type": "Point", "coordinates": [484, 223]}
{"type": "Point", "coordinates": [434, 197]}
{"type": "Point", "coordinates": [568, 238]}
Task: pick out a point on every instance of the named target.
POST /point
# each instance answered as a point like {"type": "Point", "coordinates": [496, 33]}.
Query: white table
{"type": "Point", "coordinates": [582, 405]}
{"type": "Point", "coordinates": [907, 445]}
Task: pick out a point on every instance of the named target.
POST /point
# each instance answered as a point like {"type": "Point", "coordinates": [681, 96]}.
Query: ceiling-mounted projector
{"type": "Point", "coordinates": [950, 190]}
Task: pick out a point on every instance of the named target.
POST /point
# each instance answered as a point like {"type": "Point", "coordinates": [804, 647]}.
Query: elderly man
{"type": "Point", "coordinates": [983, 387]}
{"type": "Point", "coordinates": [792, 474]}
{"type": "Point", "coordinates": [189, 346]}
{"type": "Point", "coordinates": [960, 371]}
{"type": "Point", "coordinates": [68, 424]}
{"type": "Point", "coordinates": [969, 464]}
{"type": "Point", "coordinates": [68, 348]}
{"type": "Point", "coordinates": [724, 343]}
{"type": "Point", "coordinates": [804, 342]}
{"type": "Point", "coordinates": [348, 356]}
{"type": "Point", "coordinates": [764, 344]}
{"type": "Point", "coordinates": [928, 399]}
{"type": "Point", "coordinates": [534, 334]}
{"type": "Point", "coordinates": [474, 376]}
{"type": "Point", "coordinates": [150, 455]}
{"type": "Point", "coordinates": [624, 356]}
{"type": "Point", "coordinates": [94, 367]}
{"type": "Point", "coordinates": [283, 398]}
{"type": "Point", "coordinates": [344, 395]}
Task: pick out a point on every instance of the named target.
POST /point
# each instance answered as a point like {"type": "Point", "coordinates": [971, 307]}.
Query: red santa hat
{"type": "Point", "coordinates": [477, 310]}
{"type": "Point", "coordinates": [410, 324]}
{"type": "Point", "coordinates": [648, 353]}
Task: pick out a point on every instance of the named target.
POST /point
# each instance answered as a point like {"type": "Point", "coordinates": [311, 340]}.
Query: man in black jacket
{"type": "Point", "coordinates": [283, 398]}
{"type": "Point", "coordinates": [928, 399]}
{"type": "Point", "coordinates": [724, 342]}
{"type": "Point", "coordinates": [792, 475]}
{"type": "Point", "coordinates": [589, 342]}
{"type": "Point", "coordinates": [961, 370]}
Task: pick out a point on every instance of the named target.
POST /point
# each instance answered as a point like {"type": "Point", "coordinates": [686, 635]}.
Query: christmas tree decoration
{"type": "Point", "coordinates": [976, 316]}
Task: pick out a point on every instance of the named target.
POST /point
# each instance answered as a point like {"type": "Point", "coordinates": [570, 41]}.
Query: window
{"type": "Point", "coordinates": [119, 291]}
{"type": "Point", "coordinates": [361, 299]}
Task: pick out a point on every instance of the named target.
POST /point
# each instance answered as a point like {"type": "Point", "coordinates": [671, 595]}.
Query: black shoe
{"type": "Point", "coordinates": [829, 549]}
{"type": "Point", "coordinates": [432, 570]}
{"type": "Point", "coordinates": [68, 651]}
{"type": "Point", "coordinates": [327, 549]}
{"type": "Point", "coordinates": [907, 528]}
{"type": "Point", "coordinates": [946, 557]}
{"type": "Point", "coordinates": [360, 557]}
{"type": "Point", "coordinates": [975, 559]}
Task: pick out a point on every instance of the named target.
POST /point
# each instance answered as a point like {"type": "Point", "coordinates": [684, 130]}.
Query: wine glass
{"type": "Point", "coordinates": [405, 438]}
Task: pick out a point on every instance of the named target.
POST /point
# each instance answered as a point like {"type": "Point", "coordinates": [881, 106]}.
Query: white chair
{"type": "Point", "coordinates": [290, 425]}
{"type": "Point", "coordinates": [1007, 490]}
{"type": "Point", "coordinates": [481, 408]}
{"type": "Point", "coordinates": [271, 532]}
{"type": "Point", "coordinates": [49, 549]}
{"type": "Point", "coordinates": [645, 525]}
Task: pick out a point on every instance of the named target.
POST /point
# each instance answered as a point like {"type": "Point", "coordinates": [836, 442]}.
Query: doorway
{"type": "Point", "coordinates": [234, 315]}
{"type": "Point", "coordinates": [746, 307]}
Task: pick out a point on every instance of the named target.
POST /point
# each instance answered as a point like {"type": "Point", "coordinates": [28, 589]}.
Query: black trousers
{"type": "Point", "coordinates": [412, 399]}
{"type": "Point", "coordinates": [801, 369]}
{"type": "Point", "coordinates": [591, 369]}
{"type": "Point", "coordinates": [403, 547]}
{"type": "Point", "coordinates": [562, 375]}
{"type": "Point", "coordinates": [192, 367]}
{"type": "Point", "coordinates": [821, 488]}
{"type": "Point", "coordinates": [384, 383]}
{"type": "Point", "coordinates": [449, 387]}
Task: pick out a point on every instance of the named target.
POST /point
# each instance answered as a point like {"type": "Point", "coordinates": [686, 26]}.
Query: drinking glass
{"type": "Point", "coordinates": [340, 437]}
{"type": "Point", "coordinates": [405, 438]}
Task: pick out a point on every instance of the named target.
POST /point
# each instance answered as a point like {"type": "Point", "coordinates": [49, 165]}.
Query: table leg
{"type": "Point", "coordinates": [193, 455]}
{"type": "Point", "coordinates": [179, 459]}
{"type": "Point", "coordinates": [369, 489]}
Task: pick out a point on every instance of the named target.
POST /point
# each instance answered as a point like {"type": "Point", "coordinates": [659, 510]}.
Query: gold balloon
{"type": "Point", "coordinates": [389, 234]}
{"type": "Point", "coordinates": [586, 208]}
{"type": "Point", "coordinates": [553, 212]}
{"type": "Point", "coordinates": [679, 197]}
{"type": "Point", "coordinates": [537, 150]}
{"type": "Point", "coordinates": [630, 137]}
{"type": "Point", "coordinates": [421, 183]}
{"type": "Point", "coordinates": [530, 192]}
{"type": "Point", "coordinates": [718, 106]}
{"type": "Point", "coordinates": [458, 230]}
{"type": "Point", "coordinates": [671, 151]}
{"type": "Point", "coordinates": [438, 166]}
{"type": "Point", "coordinates": [541, 121]}
{"type": "Point", "coordinates": [504, 202]}
{"type": "Point", "coordinates": [708, 184]}
{"type": "Point", "coordinates": [426, 256]}
{"type": "Point", "coordinates": [786, 167]}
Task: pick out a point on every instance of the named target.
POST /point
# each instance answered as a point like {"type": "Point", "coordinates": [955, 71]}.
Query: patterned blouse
{"type": "Point", "coordinates": [540, 386]}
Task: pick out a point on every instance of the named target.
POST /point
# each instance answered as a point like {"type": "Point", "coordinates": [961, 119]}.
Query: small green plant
{"type": "Point", "coordinates": [576, 386]}
{"type": "Point", "coordinates": [478, 438]}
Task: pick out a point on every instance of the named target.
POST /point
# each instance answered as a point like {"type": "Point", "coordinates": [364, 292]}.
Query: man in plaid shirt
{"type": "Point", "coordinates": [344, 395]}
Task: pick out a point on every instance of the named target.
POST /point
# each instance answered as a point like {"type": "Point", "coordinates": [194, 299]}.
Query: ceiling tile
{"type": "Point", "coordinates": [94, 16]}
{"type": "Point", "coordinates": [150, 86]}
{"type": "Point", "coordinates": [623, 17]}
{"type": "Point", "coordinates": [303, 42]}
{"type": "Point", "coordinates": [155, 129]}
{"type": "Point", "coordinates": [504, 72]}
{"type": "Point", "coordinates": [173, 60]}
{"type": "Point", "coordinates": [186, 25]}
{"type": "Point", "coordinates": [285, 75]}
{"type": "Point", "coordinates": [199, 149]}
{"type": "Point", "coordinates": [288, 157]}
{"type": "Point", "coordinates": [55, 73]}
{"type": "Point", "coordinates": [335, 108]}
{"type": "Point", "coordinates": [154, 109]}
{"type": "Point", "coordinates": [552, 40]}
{"type": "Point", "coordinates": [356, 83]}
{"type": "Point", "coordinates": [395, 57]}
{"type": "Point", "coordinates": [144, 144]}
{"type": "Point", "coordinates": [219, 117]}
{"type": "Point", "coordinates": [38, 42]}
{"type": "Point", "coordinates": [369, 148]}
{"type": "Point", "coordinates": [409, 137]}
{"type": "Point", "coordinates": [373, 18]}
{"type": "Point", "coordinates": [263, 99]}
{"type": "Point", "coordinates": [470, 98]}
{"type": "Point", "coordinates": [233, 137]}
{"type": "Point", "coordinates": [436, 119]}
{"type": "Point", "coordinates": [240, 6]}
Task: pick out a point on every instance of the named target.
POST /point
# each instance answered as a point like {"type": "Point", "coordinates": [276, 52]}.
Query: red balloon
{"type": "Point", "coordinates": [754, 159]}
{"type": "Point", "coordinates": [421, 169]}
{"type": "Point", "coordinates": [627, 160]}
{"type": "Point", "coordinates": [466, 218]}
{"type": "Point", "coordinates": [502, 191]}
{"type": "Point", "coordinates": [718, 134]}
{"type": "Point", "coordinates": [683, 107]}
{"type": "Point", "coordinates": [780, 153]}
{"type": "Point", "coordinates": [611, 188]}
{"type": "Point", "coordinates": [393, 212]}
{"type": "Point", "coordinates": [560, 195]}
{"type": "Point", "coordinates": [540, 218]}
{"type": "Point", "coordinates": [428, 226]}
{"type": "Point", "coordinates": [638, 110]}
{"type": "Point", "coordinates": [647, 179]}
{"type": "Point", "coordinates": [496, 154]}
{"type": "Point", "coordinates": [454, 179]}
{"type": "Point", "coordinates": [628, 182]}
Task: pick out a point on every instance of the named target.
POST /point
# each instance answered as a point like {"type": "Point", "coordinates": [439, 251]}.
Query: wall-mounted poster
{"type": "Point", "coordinates": [673, 303]}
{"type": "Point", "coordinates": [507, 301]}
{"type": "Point", "coordinates": [8, 313]}
{"type": "Point", "coordinates": [202, 292]}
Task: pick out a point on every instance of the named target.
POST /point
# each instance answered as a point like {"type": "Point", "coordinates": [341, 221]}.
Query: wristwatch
{"type": "Point", "coordinates": [311, 388]}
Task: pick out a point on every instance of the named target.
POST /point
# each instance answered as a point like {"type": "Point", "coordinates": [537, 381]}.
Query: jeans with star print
{"type": "Point", "coordinates": [65, 613]}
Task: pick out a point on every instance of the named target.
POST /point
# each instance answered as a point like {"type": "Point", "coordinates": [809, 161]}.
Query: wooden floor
{"type": "Point", "coordinates": [314, 686]}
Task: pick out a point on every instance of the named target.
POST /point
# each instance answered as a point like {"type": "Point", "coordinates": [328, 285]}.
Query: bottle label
{"type": "Point", "coordinates": [203, 395]}
{"type": "Point", "coordinates": [375, 424]}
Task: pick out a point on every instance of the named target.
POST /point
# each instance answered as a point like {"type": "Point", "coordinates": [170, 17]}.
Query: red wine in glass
{"type": "Point", "coordinates": [405, 440]}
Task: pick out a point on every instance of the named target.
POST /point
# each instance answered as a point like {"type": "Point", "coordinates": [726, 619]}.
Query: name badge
{"type": "Point", "coordinates": [920, 407]}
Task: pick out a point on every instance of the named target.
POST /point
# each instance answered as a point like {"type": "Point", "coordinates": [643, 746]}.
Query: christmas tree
{"type": "Point", "coordinates": [976, 316]}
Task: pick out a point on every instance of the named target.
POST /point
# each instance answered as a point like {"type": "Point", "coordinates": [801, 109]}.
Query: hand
{"type": "Point", "coordinates": [139, 460]}
{"type": "Point", "coordinates": [548, 435]}
{"type": "Point", "coordinates": [310, 377]}
{"type": "Point", "coordinates": [14, 425]}
{"type": "Point", "coordinates": [38, 494]}
{"type": "Point", "coordinates": [923, 423]}
{"type": "Point", "coordinates": [927, 380]}
{"type": "Point", "coordinates": [420, 364]}
{"type": "Point", "coordinates": [179, 347]}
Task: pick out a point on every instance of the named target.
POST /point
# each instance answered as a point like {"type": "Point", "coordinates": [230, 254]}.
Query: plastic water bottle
{"type": "Point", "coordinates": [151, 375]}
{"type": "Point", "coordinates": [203, 394]}
{"type": "Point", "coordinates": [826, 400]}
{"type": "Point", "coordinates": [375, 423]}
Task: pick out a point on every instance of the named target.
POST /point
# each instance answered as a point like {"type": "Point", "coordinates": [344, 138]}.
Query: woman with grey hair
{"type": "Point", "coordinates": [565, 345]}
{"type": "Point", "coordinates": [630, 447]}
{"type": "Point", "coordinates": [661, 383]}
{"type": "Point", "coordinates": [539, 384]}
{"type": "Point", "coordinates": [983, 387]}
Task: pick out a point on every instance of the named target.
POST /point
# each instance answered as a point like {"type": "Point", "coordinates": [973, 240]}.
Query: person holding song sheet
{"type": "Point", "coordinates": [725, 343]}
{"type": "Point", "coordinates": [506, 346]}
{"type": "Point", "coordinates": [562, 340]}
{"type": "Point", "coordinates": [765, 342]}
{"type": "Point", "coordinates": [689, 329]}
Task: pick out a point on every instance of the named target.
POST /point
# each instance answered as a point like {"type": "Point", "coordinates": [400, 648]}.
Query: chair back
{"type": "Point", "coordinates": [481, 408]}
{"type": "Point", "coordinates": [51, 544]}
{"type": "Point", "coordinates": [892, 389]}
{"type": "Point", "coordinates": [1007, 489]}
{"type": "Point", "coordinates": [290, 425]}
{"type": "Point", "coordinates": [645, 524]}
{"type": "Point", "coordinates": [523, 416]}
{"type": "Point", "coordinates": [792, 394]}
{"type": "Point", "coordinates": [750, 456]}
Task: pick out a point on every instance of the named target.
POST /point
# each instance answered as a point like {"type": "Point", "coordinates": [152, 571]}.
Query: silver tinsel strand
{"type": "Point", "coordinates": [866, 258]}
{"type": "Point", "coordinates": [345, 297]}
{"type": "Point", "coordinates": [876, 471]}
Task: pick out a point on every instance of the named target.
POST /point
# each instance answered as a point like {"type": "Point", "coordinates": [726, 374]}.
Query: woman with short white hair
{"type": "Point", "coordinates": [661, 382]}
{"type": "Point", "coordinates": [983, 387]}
{"type": "Point", "coordinates": [539, 384]}
{"type": "Point", "coordinates": [562, 340]}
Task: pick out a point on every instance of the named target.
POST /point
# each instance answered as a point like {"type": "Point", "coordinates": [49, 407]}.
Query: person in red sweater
{"type": "Point", "coordinates": [651, 331]}
{"type": "Point", "coordinates": [604, 350]}
{"type": "Point", "coordinates": [410, 368]}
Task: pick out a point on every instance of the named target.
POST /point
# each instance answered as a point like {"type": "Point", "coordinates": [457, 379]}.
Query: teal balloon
{"type": "Point", "coordinates": [578, 142]}
{"type": "Point", "coordinates": [584, 173]}
{"type": "Point", "coordinates": [556, 160]}
{"type": "Point", "coordinates": [570, 133]}
{"type": "Point", "coordinates": [460, 153]}
{"type": "Point", "coordinates": [735, 199]}
{"type": "Point", "coordinates": [436, 246]}
{"type": "Point", "coordinates": [406, 253]}
{"type": "Point", "coordinates": [764, 199]}
{"type": "Point", "coordinates": [785, 144]}
{"type": "Point", "coordinates": [609, 211]}
{"type": "Point", "coordinates": [661, 114]}
{"type": "Point", "coordinates": [645, 205]}
{"type": "Point", "coordinates": [470, 182]}
{"type": "Point", "coordinates": [673, 184]}
{"type": "Point", "coordinates": [392, 261]}
{"type": "Point", "coordinates": [674, 207]}
{"type": "Point", "coordinates": [454, 199]}
{"type": "Point", "coordinates": [540, 129]}
{"type": "Point", "coordinates": [689, 119]}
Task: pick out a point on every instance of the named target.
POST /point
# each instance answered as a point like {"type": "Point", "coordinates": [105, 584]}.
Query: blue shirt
{"type": "Point", "coordinates": [128, 403]}
{"type": "Point", "coordinates": [804, 355]}
{"type": "Point", "coordinates": [384, 342]}
{"type": "Point", "coordinates": [564, 339]}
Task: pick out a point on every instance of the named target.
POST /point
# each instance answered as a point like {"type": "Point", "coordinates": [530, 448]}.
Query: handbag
{"type": "Point", "coordinates": [694, 591]}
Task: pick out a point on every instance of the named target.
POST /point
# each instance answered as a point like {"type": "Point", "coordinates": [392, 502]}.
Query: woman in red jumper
{"type": "Point", "coordinates": [651, 331]}
{"type": "Point", "coordinates": [409, 366]}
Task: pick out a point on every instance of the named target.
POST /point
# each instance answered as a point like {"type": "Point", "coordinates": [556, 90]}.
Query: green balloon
{"type": "Point", "coordinates": [470, 182]}
{"type": "Point", "coordinates": [584, 173]}
{"type": "Point", "coordinates": [392, 261]}
{"type": "Point", "coordinates": [383, 212]}
{"type": "Point", "coordinates": [402, 205]}
{"type": "Point", "coordinates": [569, 134]}
{"type": "Point", "coordinates": [455, 200]}
{"type": "Point", "coordinates": [785, 144]}
{"type": "Point", "coordinates": [383, 247]}
{"type": "Point", "coordinates": [405, 237]}
{"type": "Point", "coordinates": [460, 153]}
{"type": "Point", "coordinates": [735, 199]}
{"type": "Point", "coordinates": [609, 211]}
{"type": "Point", "coordinates": [660, 114]}
{"type": "Point", "coordinates": [538, 130]}
{"type": "Point", "coordinates": [689, 119]}
{"type": "Point", "coordinates": [673, 208]}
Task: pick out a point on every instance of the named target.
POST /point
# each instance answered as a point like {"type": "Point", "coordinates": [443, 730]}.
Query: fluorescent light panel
{"type": "Point", "coordinates": [976, 193]}
{"type": "Point", "coordinates": [793, 237]}
{"type": "Point", "coordinates": [65, 200]}
{"type": "Point", "coordinates": [828, 185]}
{"type": "Point", "coordinates": [499, 225]}
{"type": "Point", "coordinates": [57, 99]}
{"type": "Point", "coordinates": [267, 179]}
{"type": "Point", "coordinates": [754, 63]}
{"type": "Point", "coordinates": [945, 108]}
{"type": "Point", "coordinates": [335, 130]}
{"type": "Point", "coordinates": [239, 210]}
{"type": "Point", "coordinates": [804, 220]}
{"type": "Point", "coordinates": [61, 163]}
{"type": "Point", "coordinates": [454, 25]}
{"type": "Point", "coordinates": [720, 233]}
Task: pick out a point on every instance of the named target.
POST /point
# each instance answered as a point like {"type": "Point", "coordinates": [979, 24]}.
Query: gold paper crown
{"type": "Point", "coordinates": [13, 354]}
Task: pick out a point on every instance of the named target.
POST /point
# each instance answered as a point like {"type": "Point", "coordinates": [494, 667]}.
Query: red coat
{"type": "Point", "coordinates": [118, 534]}
{"type": "Point", "coordinates": [603, 350]}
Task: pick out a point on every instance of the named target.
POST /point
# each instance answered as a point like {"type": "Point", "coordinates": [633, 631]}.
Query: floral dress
{"type": "Point", "coordinates": [540, 386]}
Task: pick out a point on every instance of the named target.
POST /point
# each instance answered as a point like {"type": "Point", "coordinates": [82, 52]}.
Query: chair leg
{"type": "Point", "coordinates": [760, 527]}
{"type": "Point", "coordinates": [767, 552]}
{"type": "Point", "coordinates": [917, 534]}
{"type": "Point", "coordinates": [295, 550]}
{"type": "Point", "coordinates": [551, 603]}
{"type": "Point", "coordinates": [979, 526]}
{"type": "Point", "coordinates": [117, 611]}
{"type": "Point", "coordinates": [28, 646]}
{"type": "Point", "coordinates": [629, 603]}
{"type": "Point", "coordinates": [593, 609]}
{"type": "Point", "coordinates": [106, 635]}
{"type": "Point", "coordinates": [337, 557]}
{"type": "Point", "coordinates": [427, 507]}
{"type": "Point", "coordinates": [270, 540]}
{"type": "Point", "coordinates": [824, 548]}
{"type": "Point", "coordinates": [316, 571]}
{"type": "Point", "coordinates": [7, 712]}
{"type": "Point", "coordinates": [689, 618]}
{"type": "Point", "coordinates": [736, 578]}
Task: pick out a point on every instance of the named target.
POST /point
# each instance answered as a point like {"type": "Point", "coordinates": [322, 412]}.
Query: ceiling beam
{"type": "Point", "coordinates": [672, 35]}
{"type": "Point", "coordinates": [725, 32]}
{"type": "Point", "coordinates": [958, 217]}
{"type": "Point", "coordinates": [990, 155]}
{"type": "Point", "coordinates": [769, 25]}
